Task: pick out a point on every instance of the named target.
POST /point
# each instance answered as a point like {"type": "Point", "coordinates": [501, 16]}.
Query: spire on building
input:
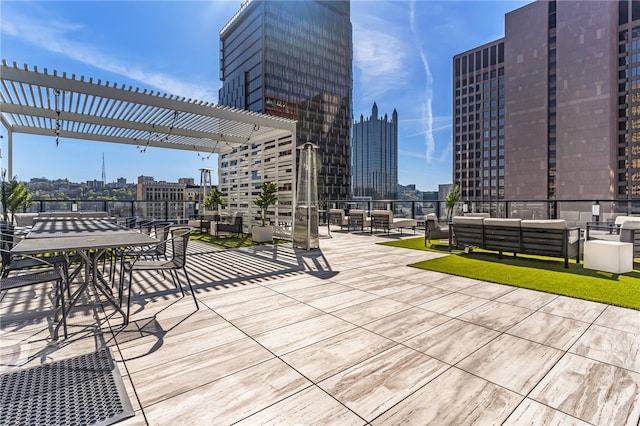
{"type": "Point", "coordinates": [104, 173]}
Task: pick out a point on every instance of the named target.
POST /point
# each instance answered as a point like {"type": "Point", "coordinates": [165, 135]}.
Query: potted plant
{"type": "Point", "coordinates": [14, 196]}
{"type": "Point", "coordinates": [214, 200]}
{"type": "Point", "coordinates": [451, 200]}
{"type": "Point", "coordinates": [267, 198]}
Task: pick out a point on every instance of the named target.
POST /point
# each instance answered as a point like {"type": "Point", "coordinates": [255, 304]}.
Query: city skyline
{"type": "Point", "coordinates": [402, 60]}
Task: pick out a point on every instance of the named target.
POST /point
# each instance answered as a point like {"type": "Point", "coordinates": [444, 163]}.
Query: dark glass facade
{"type": "Point", "coordinates": [375, 156]}
{"type": "Point", "coordinates": [294, 59]}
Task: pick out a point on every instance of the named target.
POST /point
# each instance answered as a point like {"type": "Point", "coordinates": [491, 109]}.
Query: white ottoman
{"type": "Point", "coordinates": [608, 256]}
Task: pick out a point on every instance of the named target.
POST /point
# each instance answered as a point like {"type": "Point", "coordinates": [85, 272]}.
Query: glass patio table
{"type": "Point", "coordinates": [90, 238]}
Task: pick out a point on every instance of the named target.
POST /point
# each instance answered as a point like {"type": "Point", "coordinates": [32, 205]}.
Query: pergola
{"type": "Point", "coordinates": [39, 103]}
{"type": "Point", "coordinates": [61, 106]}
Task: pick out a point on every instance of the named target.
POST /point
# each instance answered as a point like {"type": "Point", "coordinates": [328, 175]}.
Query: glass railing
{"type": "Point", "coordinates": [575, 212]}
{"type": "Point", "coordinates": [175, 211]}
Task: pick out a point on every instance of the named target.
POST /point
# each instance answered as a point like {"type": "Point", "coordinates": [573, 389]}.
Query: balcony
{"type": "Point", "coordinates": [347, 334]}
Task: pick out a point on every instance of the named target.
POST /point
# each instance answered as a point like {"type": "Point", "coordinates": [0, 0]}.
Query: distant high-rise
{"type": "Point", "coordinates": [374, 156]}
{"type": "Point", "coordinates": [552, 110]}
{"type": "Point", "coordinates": [294, 59]}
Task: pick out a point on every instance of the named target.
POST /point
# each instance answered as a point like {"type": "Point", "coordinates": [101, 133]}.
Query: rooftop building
{"type": "Point", "coordinates": [549, 111]}
{"type": "Point", "coordinates": [374, 153]}
{"type": "Point", "coordinates": [294, 60]}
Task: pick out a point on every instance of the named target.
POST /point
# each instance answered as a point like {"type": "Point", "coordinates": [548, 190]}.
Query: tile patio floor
{"type": "Point", "coordinates": [347, 335]}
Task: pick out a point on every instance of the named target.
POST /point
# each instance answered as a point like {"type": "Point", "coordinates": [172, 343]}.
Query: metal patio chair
{"type": "Point", "coordinates": [42, 271]}
{"type": "Point", "coordinates": [179, 240]}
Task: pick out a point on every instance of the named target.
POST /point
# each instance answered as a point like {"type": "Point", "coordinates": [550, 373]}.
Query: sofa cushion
{"type": "Point", "coordinates": [387, 213]}
{"type": "Point", "coordinates": [547, 224]}
{"type": "Point", "coordinates": [622, 219]}
{"type": "Point", "coordinates": [514, 223]}
{"type": "Point", "coordinates": [468, 220]}
{"type": "Point", "coordinates": [404, 222]}
{"type": "Point", "coordinates": [631, 224]}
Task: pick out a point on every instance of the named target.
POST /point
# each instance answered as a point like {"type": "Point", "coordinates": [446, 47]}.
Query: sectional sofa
{"type": "Point", "coordinates": [536, 237]}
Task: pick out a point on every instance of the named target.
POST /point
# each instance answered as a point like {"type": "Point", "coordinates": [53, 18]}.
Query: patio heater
{"type": "Point", "coordinates": [205, 184]}
{"type": "Point", "coordinates": [305, 228]}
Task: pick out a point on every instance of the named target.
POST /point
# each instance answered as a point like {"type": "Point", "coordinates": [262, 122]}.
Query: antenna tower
{"type": "Point", "coordinates": [104, 173]}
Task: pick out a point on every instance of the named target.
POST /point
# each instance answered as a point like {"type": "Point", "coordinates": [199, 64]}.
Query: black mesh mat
{"type": "Point", "coordinates": [84, 390]}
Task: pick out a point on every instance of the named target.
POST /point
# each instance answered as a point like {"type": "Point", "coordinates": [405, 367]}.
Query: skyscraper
{"type": "Point", "coordinates": [294, 59]}
{"type": "Point", "coordinates": [375, 156]}
{"type": "Point", "coordinates": [552, 110]}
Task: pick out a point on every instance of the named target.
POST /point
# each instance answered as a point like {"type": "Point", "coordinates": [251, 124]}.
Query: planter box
{"type": "Point", "coordinates": [262, 234]}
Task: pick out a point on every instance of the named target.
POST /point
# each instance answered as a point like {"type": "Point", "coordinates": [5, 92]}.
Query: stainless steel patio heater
{"type": "Point", "coordinates": [205, 185]}
{"type": "Point", "coordinates": [305, 229]}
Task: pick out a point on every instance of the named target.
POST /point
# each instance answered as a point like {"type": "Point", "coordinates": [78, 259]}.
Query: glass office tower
{"type": "Point", "coordinates": [294, 59]}
{"type": "Point", "coordinates": [375, 156]}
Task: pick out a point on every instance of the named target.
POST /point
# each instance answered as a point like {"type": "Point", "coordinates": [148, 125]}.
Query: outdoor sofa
{"type": "Point", "coordinates": [535, 237]}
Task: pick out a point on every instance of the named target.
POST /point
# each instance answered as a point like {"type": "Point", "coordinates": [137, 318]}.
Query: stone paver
{"type": "Point", "coordinates": [345, 335]}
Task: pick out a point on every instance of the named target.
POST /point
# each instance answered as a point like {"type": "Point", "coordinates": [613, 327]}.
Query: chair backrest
{"type": "Point", "coordinates": [179, 240]}
{"type": "Point", "coordinates": [382, 218]}
{"type": "Point", "coordinates": [336, 216]}
{"type": "Point", "coordinates": [8, 235]}
{"type": "Point", "coordinates": [162, 231]}
{"type": "Point", "coordinates": [146, 226]}
{"type": "Point", "coordinates": [6, 242]}
{"type": "Point", "coordinates": [620, 220]}
{"type": "Point", "coordinates": [432, 222]}
{"type": "Point", "coordinates": [358, 214]}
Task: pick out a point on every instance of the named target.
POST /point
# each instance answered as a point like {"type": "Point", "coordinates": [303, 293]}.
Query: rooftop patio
{"type": "Point", "coordinates": [345, 335]}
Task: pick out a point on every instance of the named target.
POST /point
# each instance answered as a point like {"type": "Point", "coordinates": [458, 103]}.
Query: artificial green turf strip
{"type": "Point", "coordinates": [533, 272]}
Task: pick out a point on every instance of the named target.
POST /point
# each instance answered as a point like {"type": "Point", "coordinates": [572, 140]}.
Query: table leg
{"type": "Point", "coordinates": [92, 276]}
{"type": "Point", "coordinates": [100, 283]}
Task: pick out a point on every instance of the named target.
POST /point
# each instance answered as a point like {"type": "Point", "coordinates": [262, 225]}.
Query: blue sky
{"type": "Point", "coordinates": [403, 54]}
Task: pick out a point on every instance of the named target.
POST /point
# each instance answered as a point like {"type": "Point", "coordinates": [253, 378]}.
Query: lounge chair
{"type": "Point", "coordinates": [358, 219]}
{"type": "Point", "coordinates": [231, 224]}
{"type": "Point", "coordinates": [383, 219]}
{"type": "Point", "coordinates": [434, 230]}
{"type": "Point", "coordinates": [337, 218]}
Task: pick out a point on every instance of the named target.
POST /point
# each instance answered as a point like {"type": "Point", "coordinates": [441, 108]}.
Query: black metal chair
{"type": "Point", "coordinates": [11, 263]}
{"type": "Point", "coordinates": [157, 229]}
{"type": "Point", "coordinates": [42, 271]}
{"type": "Point", "coordinates": [179, 240]}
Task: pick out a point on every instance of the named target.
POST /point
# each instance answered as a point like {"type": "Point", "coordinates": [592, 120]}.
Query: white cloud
{"type": "Point", "coordinates": [379, 57]}
{"type": "Point", "coordinates": [445, 155]}
{"type": "Point", "coordinates": [413, 154]}
{"type": "Point", "coordinates": [58, 37]}
{"type": "Point", "coordinates": [426, 108]}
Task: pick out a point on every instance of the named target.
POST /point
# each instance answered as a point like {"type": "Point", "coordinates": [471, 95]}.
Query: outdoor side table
{"type": "Point", "coordinates": [608, 256]}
